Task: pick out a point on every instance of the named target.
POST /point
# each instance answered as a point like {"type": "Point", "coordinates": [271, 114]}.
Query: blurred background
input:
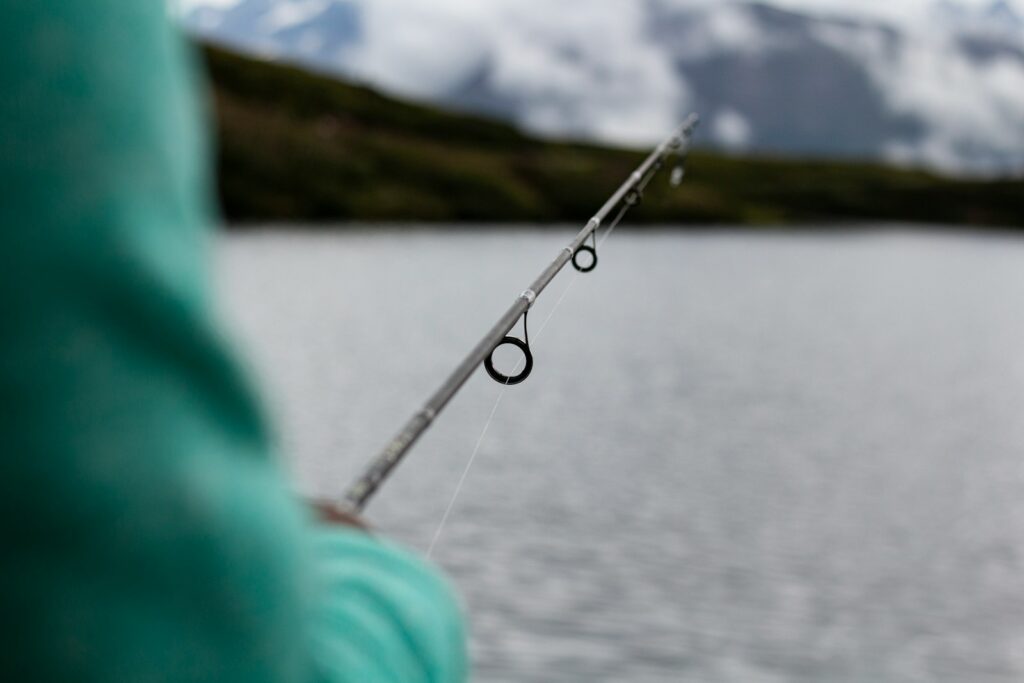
{"type": "Point", "coordinates": [775, 436]}
{"type": "Point", "coordinates": [907, 110]}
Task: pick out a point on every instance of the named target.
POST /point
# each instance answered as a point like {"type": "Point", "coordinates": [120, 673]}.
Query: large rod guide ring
{"type": "Point", "coordinates": [584, 267]}
{"type": "Point", "coordinates": [521, 344]}
{"type": "Point", "coordinates": [513, 379]}
{"type": "Point", "coordinates": [588, 266]}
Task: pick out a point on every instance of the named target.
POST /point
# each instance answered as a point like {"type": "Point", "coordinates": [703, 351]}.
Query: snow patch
{"type": "Point", "coordinates": [287, 14]}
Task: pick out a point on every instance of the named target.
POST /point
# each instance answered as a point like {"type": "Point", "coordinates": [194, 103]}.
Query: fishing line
{"type": "Point", "coordinates": [487, 425]}
{"type": "Point", "coordinates": [479, 442]}
{"type": "Point", "coordinates": [465, 473]}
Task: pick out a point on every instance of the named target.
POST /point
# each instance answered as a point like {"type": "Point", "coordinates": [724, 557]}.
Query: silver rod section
{"type": "Point", "coordinates": [380, 468]}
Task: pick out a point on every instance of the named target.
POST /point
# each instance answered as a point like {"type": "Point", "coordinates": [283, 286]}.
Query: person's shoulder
{"type": "Point", "coordinates": [352, 553]}
{"type": "Point", "coordinates": [401, 610]}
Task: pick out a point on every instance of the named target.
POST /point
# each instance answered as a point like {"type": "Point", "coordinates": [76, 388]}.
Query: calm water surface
{"type": "Point", "coordinates": [739, 459]}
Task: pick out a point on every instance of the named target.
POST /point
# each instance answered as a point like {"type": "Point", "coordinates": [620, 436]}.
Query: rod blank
{"type": "Point", "coordinates": [357, 496]}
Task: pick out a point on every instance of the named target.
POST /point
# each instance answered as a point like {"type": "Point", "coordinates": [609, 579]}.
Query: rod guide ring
{"type": "Point", "coordinates": [512, 380]}
{"type": "Point", "coordinates": [585, 248]}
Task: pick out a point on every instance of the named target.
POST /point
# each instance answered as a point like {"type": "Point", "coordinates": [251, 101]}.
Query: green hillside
{"type": "Point", "coordinates": [295, 146]}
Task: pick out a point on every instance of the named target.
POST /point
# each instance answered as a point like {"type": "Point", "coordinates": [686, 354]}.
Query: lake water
{"type": "Point", "coordinates": [740, 458]}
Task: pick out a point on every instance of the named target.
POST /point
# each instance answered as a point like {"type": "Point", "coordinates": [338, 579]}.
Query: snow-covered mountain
{"type": "Point", "coordinates": [319, 31]}
{"type": "Point", "coordinates": [944, 90]}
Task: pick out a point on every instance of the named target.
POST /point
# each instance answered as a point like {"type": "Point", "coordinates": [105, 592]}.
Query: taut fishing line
{"type": "Point", "coordinates": [501, 394]}
{"type": "Point", "coordinates": [487, 425]}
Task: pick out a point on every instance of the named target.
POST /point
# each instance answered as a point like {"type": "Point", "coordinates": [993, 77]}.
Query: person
{"type": "Point", "coordinates": [148, 534]}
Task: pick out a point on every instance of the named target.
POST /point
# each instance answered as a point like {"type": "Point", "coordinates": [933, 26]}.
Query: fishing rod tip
{"type": "Point", "coordinates": [685, 131]}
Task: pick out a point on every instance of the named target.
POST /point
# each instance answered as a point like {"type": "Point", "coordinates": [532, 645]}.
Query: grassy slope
{"type": "Point", "coordinates": [295, 146]}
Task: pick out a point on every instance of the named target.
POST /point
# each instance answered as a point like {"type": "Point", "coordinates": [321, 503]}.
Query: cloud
{"type": "Point", "coordinates": [287, 14]}
{"type": "Point", "coordinates": [974, 109]}
{"type": "Point", "coordinates": [574, 67]}
{"type": "Point", "coordinates": [587, 69]}
{"type": "Point", "coordinates": [182, 6]}
{"type": "Point", "coordinates": [418, 49]}
{"type": "Point", "coordinates": [904, 12]}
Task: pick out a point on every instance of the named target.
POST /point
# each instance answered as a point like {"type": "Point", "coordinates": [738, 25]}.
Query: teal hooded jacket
{"type": "Point", "coordinates": [148, 534]}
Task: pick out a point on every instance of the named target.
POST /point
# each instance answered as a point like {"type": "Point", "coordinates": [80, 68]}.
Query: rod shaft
{"type": "Point", "coordinates": [380, 468]}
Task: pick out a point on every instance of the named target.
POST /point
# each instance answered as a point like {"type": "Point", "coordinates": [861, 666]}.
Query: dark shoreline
{"type": "Point", "coordinates": [297, 147]}
{"type": "Point", "coordinates": [838, 229]}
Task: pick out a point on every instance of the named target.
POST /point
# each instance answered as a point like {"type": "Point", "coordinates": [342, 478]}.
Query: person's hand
{"type": "Point", "coordinates": [329, 513]}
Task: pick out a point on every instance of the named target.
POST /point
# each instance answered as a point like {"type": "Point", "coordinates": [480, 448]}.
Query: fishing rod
{"type": "Point", "coordinates": [625, 198]}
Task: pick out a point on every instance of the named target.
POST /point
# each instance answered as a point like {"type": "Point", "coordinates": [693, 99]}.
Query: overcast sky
{"type": "Point", "coordinates": [895, 9]}
{"type": "Point", "coordinates": [901, 9]}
